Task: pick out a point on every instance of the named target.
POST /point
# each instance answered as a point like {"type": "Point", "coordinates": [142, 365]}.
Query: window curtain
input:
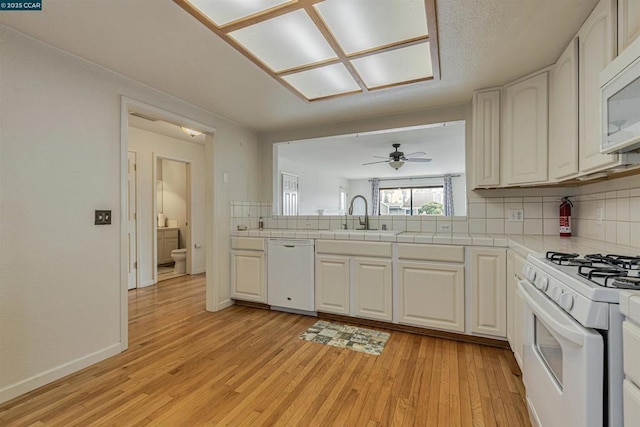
{"type": "Point", "coordinates": [447, 191]}
{"type": "Point", "coordinates": [375, 196]}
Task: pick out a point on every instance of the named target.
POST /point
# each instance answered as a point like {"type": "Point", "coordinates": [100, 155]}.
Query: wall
{"type": "Point", "coordinates": [60, 275]}
{"type": "Point", "coordinates": [174, 194]}
{"type": "Point", "coordinates": [145, 144]}
{"type": "Point", "coordinates": [316, 189]}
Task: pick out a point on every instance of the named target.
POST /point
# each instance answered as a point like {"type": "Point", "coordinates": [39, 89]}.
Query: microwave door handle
{"type": "Point", "coordinates": [566, 332]}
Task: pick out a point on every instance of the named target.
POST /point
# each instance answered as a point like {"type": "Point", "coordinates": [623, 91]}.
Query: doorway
{"type": "Point", "coordinates": [172, 191]}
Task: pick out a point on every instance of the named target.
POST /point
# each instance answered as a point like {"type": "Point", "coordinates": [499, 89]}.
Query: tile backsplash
{"type": "Point", "coordinates": [609, 212]}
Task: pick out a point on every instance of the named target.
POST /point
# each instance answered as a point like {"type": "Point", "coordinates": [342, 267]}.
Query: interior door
{"type": "Point", "coordinates": [289, 194]}
{"type": "Point", "coordinates": [132, 216]}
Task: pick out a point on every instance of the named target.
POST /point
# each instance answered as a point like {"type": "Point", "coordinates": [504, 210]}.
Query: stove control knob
{"type": "Point", "coordinates": [556, 293]}
{"type": "Point", "coordinates": [530, 274]}
{"type": "Point", "coordinates": [566, 301]}
{"type": "Point", "coordinates": [542, 283]}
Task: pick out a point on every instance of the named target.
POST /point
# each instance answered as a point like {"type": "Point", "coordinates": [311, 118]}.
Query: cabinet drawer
{"type": "Point", "coordinates": [631, 340]}
{"type": "Point", "coordinates": [170, 234]}
{"type": "Point", "coordinates": [340, 247]}
{"type": "Point", "coordinates": [431, 252]}
{"type": "Point", "coordinates": [247, 243]}
{"type": "Point", "coordinates": [631, 402]}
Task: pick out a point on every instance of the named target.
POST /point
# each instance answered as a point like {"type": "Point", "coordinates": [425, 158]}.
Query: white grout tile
{"type": "Point", "coordinates": [513, 227]}
{"type": "Point", "coordinates": [495, 226]}
{"type": "Point", "coordinates": [532, 210]}
{"type": "Point", "coordinates": [477, 210]}
{"type": "Point", "coordinates": [460, 226]}
{"type": "Point", "coordinates": [622, 209]}
{"type": "Point", "coordinates": [610, 231]}
{"type": "Point", "coordinates": [610, 211]}
{"type": "Point", "coordinates": [622, 231]}
{"type": "Point", "coordinates": [634, 234]}
{"type": "Point", "coordinates": [532, 226]}
{"type": "Point", "coordinates": [550, 227]}
{"type": "Point", "coordinates": [477, 226]}
{"type": "Point", "coordinates": [551, 210]}
{"type": "Point", "coordinates": [634, 209]}
{"type": "Point", "coordinates": [495, 210]}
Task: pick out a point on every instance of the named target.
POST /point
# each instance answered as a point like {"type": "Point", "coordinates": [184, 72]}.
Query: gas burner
{"type": "Point", "coordinates": [626, 262]}
{"type": "Point", "coordinates": [560, 257]}
{"type": "Point", "coordinates": [625, 283]}
{"type": "Point", "coordinates": [597, 258]}
{"type": "Point", "coordinates": [592, 272]}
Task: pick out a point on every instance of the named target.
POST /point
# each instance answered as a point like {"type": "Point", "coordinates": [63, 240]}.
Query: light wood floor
{"type": "Point", "coordinates": [246, 366]}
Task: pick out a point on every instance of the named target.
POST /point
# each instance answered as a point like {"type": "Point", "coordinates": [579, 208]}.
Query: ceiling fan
{"type": "Point", "coordinates": [397, 158]}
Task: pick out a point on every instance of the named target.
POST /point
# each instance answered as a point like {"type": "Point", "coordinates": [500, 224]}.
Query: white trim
{"type": "Point", "coordinates": [58, 372]}
{"type": "Point", "coordinates": [147, 283]}
{"type": "Point", "coordinates": [212, 282]}
{"type": "Point", "coordinates": [199, 270]}
{"type": "Point", "coordinates": [225, 304]}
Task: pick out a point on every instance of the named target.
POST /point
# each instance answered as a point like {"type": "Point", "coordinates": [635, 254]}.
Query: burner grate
{"type": "Point", "coordinates": [560, 258]}
{"type": "Point", "coordinates": [624, 283]}
{"type": "Point", "coordinates": [591, 272]}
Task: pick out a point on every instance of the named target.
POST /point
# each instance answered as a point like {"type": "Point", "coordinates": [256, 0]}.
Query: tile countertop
{"type": "Point", "coordinates": [630, 305]}
{"type": "Point", "coordinates": [523, 244]}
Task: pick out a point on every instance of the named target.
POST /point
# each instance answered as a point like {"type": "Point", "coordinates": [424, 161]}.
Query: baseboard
{"type": "Point", "coordinates": [225, 304]}
{"type": "Point", "coordinates": [29, 384]}
{"type": "Point", "coordinates": [147, 283]}
{"type": "Point", "coordinates": [198, 270]}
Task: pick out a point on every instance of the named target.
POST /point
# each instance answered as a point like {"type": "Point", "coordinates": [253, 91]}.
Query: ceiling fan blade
{"type": "Point", "coordinates": [381, 157]}
{"type": "Point", "coordinates": [417, 160]}
{"type": "Point", "coordinates": [373, 163]}
{"type": "Point", "coordinates": [417, 153]}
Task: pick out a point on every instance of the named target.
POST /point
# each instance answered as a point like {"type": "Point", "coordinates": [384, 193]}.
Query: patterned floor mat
{"type": "Point", "coordinates": [344, 336]}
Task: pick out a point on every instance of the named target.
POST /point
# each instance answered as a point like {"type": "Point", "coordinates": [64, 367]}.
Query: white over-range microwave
{"type": "Point", "coordinates": [620, 95]}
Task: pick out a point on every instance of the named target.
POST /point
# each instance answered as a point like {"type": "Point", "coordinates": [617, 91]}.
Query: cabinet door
{"type": "Point", "coordinates": [628, 23]}
{"type": "Point", "coordinates": [248, 276]}
{"type": "Point", "coordinates": [332, 284]}
{"type": "Point", "coordinates": [488, 292]}
{"type": "Point", "coordinates": [563, 115]}
{"type": "Point", "coordinates": [431, 295]}
{"type": "Point", "coordinates": [596, 50]}
{"type": "Point", "coordinates": [160, 247]}
{"type": "Point", "coordinates": [372, 288]}
{"type": "Point", "coordinates": [518, 306]}
{"type": "Point", "coordinates": [486, 138]}
{"type": "Point", "coordinates": [170, 244]}
{"type": "Point", "coordinates": [526, 131]}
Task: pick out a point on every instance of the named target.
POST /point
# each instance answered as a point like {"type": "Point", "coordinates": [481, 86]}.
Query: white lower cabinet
{"type": "Point", "coordinates": [248, 269]}
{"type": "Point", "coordinates": [247, 275]}
{"type": "Point", "coordinates": [488, 291]}
{"type": "Point", "coordinates": [332, 283]}
{"type": "Point", "coordinates": [372, 288]}
{"type": "Point", "coordinates": [431, 294]}
{"type": "Point", "coordinates": [515, 305]}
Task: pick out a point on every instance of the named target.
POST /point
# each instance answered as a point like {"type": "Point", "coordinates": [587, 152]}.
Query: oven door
{"type": "Point", "coordinates": [563, 365]}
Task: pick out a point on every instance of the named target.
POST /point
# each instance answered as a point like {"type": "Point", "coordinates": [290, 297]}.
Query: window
{"type": "Point", "coordinates": [343, 201]}
{"type": "Point", "coordinates": [411, 201]}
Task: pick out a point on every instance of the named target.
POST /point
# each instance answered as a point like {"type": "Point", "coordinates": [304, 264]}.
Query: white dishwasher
{"type": "Point", "coordinates": [290, 274]}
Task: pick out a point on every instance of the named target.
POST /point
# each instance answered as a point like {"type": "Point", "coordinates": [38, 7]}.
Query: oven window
{"type": "Point", "coordinates": [549, 350]}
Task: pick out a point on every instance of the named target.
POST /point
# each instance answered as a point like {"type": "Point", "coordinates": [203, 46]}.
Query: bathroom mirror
{"type": "Point", "coordinates": [321, 176]}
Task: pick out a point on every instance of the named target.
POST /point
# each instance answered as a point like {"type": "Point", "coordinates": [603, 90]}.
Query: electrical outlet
{"type": "Point", "coordinates": [102, 218]}
{"type": "Point", "coordinates": [516, 215]}
{"type": "Point", "coordinates": [444, 227]}
{"type": "Point", "coordinates": [599, 216]}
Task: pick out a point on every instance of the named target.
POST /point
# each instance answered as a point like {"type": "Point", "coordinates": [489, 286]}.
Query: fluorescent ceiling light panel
{"type": "Point", "coordinates": [322, 82]}
{"type": "Point", "coordinates": [286, 41]}
{"type": "Point", "coordinates": [225, 11]}
{"type": "Point", "coordinates": [400, 65]}
{"type": "Point", "coordinates": [360, 25]}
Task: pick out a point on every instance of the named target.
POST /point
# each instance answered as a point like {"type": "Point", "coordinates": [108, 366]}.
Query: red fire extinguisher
{"type": "Point", "coordinates": [565, 217]}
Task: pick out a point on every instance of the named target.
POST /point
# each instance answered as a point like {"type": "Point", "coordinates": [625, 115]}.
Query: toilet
{"type": "Point", "coordinates": [180, 257]}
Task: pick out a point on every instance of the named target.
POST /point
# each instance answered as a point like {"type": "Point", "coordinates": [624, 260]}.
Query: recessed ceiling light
{"type": "Point", "coordinates": [380, 44]}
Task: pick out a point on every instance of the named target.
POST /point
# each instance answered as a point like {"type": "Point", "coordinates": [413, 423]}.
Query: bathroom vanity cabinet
{"type": "Point", "coordinates": [168, 240]}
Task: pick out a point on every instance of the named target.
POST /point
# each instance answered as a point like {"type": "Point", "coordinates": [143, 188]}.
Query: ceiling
{"type": "Point", "coordinates": [482, 43]}
{"type": "Point", "coordinates": [344, 155]}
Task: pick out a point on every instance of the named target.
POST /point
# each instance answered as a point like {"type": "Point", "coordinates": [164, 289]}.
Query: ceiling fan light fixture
{"type": "Point", "coordinates": [396, 164]}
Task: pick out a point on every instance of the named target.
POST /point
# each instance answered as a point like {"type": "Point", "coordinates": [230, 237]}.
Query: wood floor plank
{"type": "Point", "coordinates": [247, 366]}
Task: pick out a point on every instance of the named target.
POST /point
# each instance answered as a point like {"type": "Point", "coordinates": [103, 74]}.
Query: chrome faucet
{"type": "Point", "coordinates": [365, 223]}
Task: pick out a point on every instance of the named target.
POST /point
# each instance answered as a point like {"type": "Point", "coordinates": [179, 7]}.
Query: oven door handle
{"type": "Point", "coordinates": [568, 333]}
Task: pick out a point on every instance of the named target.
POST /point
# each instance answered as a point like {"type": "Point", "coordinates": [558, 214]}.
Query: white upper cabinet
{"type": "Point", "coordinates": [526, 134]}
{"type": "Point", "coordinates": [597, 48]}
{"type": "Point", "coordinates": [486, 138]}
{"type": "Point", "coordinates": [628, 23]}
{"type": "Point", "coordinates": [563, 115]}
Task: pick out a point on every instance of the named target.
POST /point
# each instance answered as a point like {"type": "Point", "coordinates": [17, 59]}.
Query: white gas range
{"type": "Point", "coordinates": [573, 339]}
